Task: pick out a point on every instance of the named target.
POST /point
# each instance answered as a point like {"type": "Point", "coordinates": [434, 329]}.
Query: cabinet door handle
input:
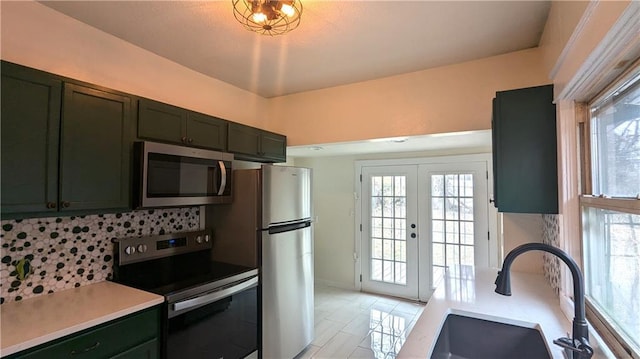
{"type": "Point", "coordinates": [66, 204]}
{"type": "Point", "coordinates": [87, 349]}
{"type": "Point", "coordinates": [190, 140]}
{"type": "Point", "coordinates": [51, 205]}
{"type": "Point", "coordinates": [183, 139]}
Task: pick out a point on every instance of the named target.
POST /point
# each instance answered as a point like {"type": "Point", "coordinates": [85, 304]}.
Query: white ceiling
{"type": "Point", "coordinates": [473, 141]}
{"type": "Point", "coordinates": [337, 43]}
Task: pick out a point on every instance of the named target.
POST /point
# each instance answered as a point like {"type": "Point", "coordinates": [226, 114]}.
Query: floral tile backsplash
{"type": "Point", "coordinates": [551, 235]}
{"type": "Point", "coordinates": [44, 255]}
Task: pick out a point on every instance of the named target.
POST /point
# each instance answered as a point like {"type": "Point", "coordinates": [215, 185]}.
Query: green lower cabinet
{"type": "Point", "coordinates": [147, 350]}
{"type": "Point", "coordinates": [134, 336]}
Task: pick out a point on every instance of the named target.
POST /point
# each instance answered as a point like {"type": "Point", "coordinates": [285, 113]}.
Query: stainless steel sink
{"type": "Point", "coordinates": [464, 337]}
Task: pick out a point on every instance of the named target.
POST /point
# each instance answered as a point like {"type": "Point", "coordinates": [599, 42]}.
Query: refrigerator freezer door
{"type": "Point", "coordinates": [286, 194]}
{"type": "Point", "coordinates": [287, 292]}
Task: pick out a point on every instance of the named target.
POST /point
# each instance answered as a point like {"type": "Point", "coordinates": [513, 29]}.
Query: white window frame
{"type": "Point", "coordinates": [589, 199]}
{"type": "Point", "coordinates": [574, 86]}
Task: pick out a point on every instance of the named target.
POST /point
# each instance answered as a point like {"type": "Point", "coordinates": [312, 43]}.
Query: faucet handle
{"type": "Point", "coordinates": [580, 347]}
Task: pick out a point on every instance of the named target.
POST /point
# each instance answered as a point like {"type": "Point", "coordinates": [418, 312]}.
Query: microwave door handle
{"type": "Point", "coordinates": [223, 178]}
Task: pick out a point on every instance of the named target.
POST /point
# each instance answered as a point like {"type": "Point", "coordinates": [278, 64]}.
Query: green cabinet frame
{"type": "Point", "coordinates": [66, 146]}
{"type": "Point", "coordinates": [252, 144]}
{"type": "Point", "coordinates": [525, 151]}
{"type": "Point", "coordinates": [31, 103]}
{"type": "Point", "coordinates": [165, 123]}
{"type": "Point", "coordinates": [133, 336]}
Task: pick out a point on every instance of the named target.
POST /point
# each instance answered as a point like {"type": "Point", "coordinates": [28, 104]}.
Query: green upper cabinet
{"type": "Point", "coordinates": [30, 128]}
{"type": "Point", "coordinates": [65, 147]}
{"type": "Point", "coordinates": [206, 131]}
{"type": "Point", "coordinates": [524, 151]}
{"type": "Point", "coordinates": [162, 122]}
{"type": "Point", "coordinates": [252, 144]}
{"type": "Point", "coordinates": [95, 149]}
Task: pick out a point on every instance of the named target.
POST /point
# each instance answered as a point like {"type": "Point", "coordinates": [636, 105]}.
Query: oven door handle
{"type": "Point", "coordinates": [214, 296]}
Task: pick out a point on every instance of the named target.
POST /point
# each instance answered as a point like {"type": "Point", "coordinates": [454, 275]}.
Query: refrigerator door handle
{"type": "Point", "coordinates": [289, 227]}
{"type": "Point", "coordinates": [223, 178]}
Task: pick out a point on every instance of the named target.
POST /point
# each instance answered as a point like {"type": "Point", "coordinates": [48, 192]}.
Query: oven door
{"type": "Point", "coordinates": [219, 324]}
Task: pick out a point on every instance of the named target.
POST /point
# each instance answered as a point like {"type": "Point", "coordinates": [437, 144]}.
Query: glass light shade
{"type": "Point", "coordinates": [268, 17]}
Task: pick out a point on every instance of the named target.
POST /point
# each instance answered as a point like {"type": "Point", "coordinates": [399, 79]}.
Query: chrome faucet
{"type": "Point", "coordinates": [578, 346]}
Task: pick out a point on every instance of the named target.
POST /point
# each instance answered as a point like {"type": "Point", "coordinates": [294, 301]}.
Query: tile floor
{"type": "Point", "coordinates": [350, 324]}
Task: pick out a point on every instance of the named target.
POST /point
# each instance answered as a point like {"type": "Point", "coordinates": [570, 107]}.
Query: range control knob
{"type": "Point", "coordinates": [142, 248]}
{"type": "Point", "coordinates": [199, 239]}
{"type": "Point", "coordinates": [207, 238]}
{"type": "Point", "coordinates": [130, 250]}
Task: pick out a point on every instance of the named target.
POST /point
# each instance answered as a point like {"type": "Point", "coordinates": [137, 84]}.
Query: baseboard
{"type": "Point", "coordinates": [329, 283]}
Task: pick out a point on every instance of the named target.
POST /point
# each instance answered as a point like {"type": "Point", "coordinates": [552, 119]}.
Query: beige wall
{"type": "Point", "coordinates": [36, 36]}
{"type": "Point", "coordinates": [444, 99]}
{"type": "Point", "coordinates": [563, 18]}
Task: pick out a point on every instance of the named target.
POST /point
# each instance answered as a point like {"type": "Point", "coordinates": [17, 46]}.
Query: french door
{"type": "Point", "coordinates": [417, 221]}
{"type": "Point", "coordinates": [391, 244]}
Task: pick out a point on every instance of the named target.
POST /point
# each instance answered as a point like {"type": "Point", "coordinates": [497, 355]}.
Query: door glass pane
{"type": "Point", "coordinates": [452, 221]}
{"type": "Point", "coordinates": [388, 229]}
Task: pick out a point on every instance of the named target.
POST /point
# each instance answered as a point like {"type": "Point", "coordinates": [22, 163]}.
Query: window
{"type": "Point", "coordinates": [611, 211]}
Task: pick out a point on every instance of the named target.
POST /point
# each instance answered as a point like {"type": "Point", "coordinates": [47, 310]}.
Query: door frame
{"type": "Point", "coordinates": [495, 237]}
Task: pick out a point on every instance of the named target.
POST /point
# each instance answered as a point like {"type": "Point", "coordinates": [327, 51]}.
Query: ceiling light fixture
{"type": "Point", "coordinates": [268, 17]}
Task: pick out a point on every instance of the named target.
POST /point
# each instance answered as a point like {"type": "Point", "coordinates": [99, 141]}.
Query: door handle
{"type": "Point", "coordinates": [228, 291]}
{"type": "Point", "coordinates": [223, 178]}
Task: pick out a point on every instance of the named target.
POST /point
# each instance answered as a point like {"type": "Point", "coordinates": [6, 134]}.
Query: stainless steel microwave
{"type": "Point", "coordinates": [172, 176]}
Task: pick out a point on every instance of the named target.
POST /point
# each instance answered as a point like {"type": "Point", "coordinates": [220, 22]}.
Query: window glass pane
{"type": "Point", "coordinates": [438, 254]}
{"type": "Point", "coordinates": [400, 186]}
{"type": "Point", "coordinates": [615, 144]}
{"type": "Point", "coordinates": [401, 229]}
{"type": "Point", "coordinates": [452, 208]}
{"type": "Point", "coordinates": [452, 185]}
{"type": "Point", "coordinates": [437, 208]}
{"type": "Point", "coordinates": [376, 248]}
{"type": "Point", "coordinates": [437, 185]}
{"type": "Point", "coordinates": [612, 268]}
{"type": "Point", "coordinates": [437, 234]}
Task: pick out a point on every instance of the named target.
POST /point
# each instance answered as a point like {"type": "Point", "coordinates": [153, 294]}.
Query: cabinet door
{"type": "Point", "coordinates": [525, 157]}
{"type": "Point", "coordinates": [243, 140]}
{"type": "Point", "coordinates": [494, 153]}
{"type": "Point", "coordinates": [30, 126]}
{"type": "Point", "coordinates": [273, 146]}
{"type": "Point", "coordinates": [206, 131]}
{"type": "Point", "coordinates": [147, 350]}
{"type": "Point", "coordinates": [95, 150]}
{"type": "Point", "coordinates": [105, 341]}
{"type": "Point", "coordinates": [162, 122]}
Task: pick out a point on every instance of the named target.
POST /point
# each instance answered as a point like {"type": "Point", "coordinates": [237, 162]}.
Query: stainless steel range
{"type": "Point", "coordinates": [210, 309]}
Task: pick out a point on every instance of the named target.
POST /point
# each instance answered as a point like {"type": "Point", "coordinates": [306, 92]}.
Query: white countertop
{"type": "Point", "coordinates": [31, 322]}
{"type": "Point", "coordinates": [472, 293]}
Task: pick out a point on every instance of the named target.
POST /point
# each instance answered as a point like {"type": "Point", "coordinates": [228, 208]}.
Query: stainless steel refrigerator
{"type": "Point", "coordinates": [269, 225]}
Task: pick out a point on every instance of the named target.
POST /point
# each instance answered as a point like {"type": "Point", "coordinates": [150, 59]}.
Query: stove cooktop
{"type": "Point", "coordinates": [170, 275]}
